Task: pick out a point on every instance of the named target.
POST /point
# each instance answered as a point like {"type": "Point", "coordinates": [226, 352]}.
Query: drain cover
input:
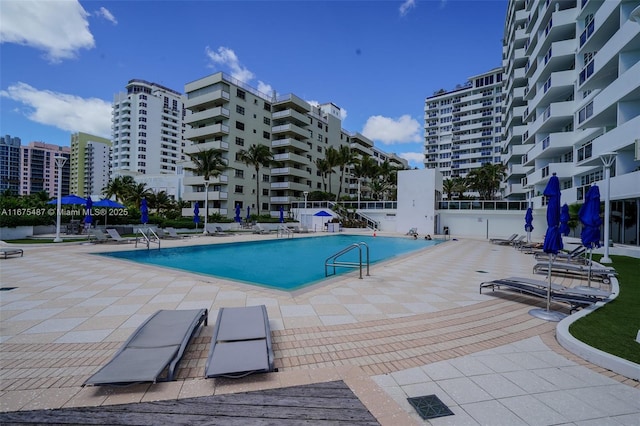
{"type": "Point", "coordinates": [7, 288]}
{"type": "Point", "coordinates": [429, 406]}
{"type": "Point", "coordinates": [482, 272]}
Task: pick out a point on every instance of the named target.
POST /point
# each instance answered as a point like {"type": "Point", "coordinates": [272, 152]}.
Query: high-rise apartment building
{"type": "Point", "coordinates": [10, 164]}
{"type": "Point", "coordinates": [463, 127]}
{"type": "Point", "coordinates": [226, 114]}
{"type": "Point", "coordinates": [147, 130]}
{"type": "Point", "coordinates": [572, 90]}
{"type": "Point", "coordinates": [39, 171]}
{"type": "Point", "coordinates": [89, 164]}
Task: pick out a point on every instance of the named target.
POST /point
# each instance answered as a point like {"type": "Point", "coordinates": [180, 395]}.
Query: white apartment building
{"type": "Point", "coordinates": [147, 130]}
{"type": "Point", "coordinates": [89, 164]}
{"type": "Point", "coordinates": [227, 114]}
{"type": "Point", "coordinates": [463, 127]}
{"type": "Point", "coordinates": [572, 88]}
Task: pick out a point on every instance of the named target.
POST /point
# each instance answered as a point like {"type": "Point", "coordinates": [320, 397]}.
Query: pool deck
{"type": "Point", "coordinates": [417, 326]}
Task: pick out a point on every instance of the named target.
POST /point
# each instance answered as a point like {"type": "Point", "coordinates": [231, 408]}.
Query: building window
{"type": "Point", "coordinates": [585, 112]}
{"type": "Point", "coordinates": [241, 94]}
{"type": "Point", "coordinates": [239, 125]}
{"type": "Point", "coordinates": [144, 97]}
{"type": "Point", "coordinates": [239, 173]}
{"type": "Point", "coordinates": [142, 104]}
{"type": "Point", "coordinates": [142, 134]}
{"type": "Point", "coordinates": [265, 191]}
{"type": "Point", "coordinates": [267, 121]}
{"type": "Point", "coordinates": [239, 141]}
{"type": "Point", "coordinates": [266, 135]}
{"type": "Point", "coordinates": [239, 189]}
{"type": "Point", "coordinates": [240, 109]}
{"type": "Point", "coordinates": [142, 112]}
{"type": "Point", "coordinates": [142, 119]}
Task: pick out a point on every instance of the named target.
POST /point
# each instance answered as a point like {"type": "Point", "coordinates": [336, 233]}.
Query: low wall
{"type": "Point", "coordinates": [16, 233]}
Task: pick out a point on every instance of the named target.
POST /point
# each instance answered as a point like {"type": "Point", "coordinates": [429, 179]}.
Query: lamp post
{"type": "Point", "coordinates": [206, 205]}
{"type": "Point", "coordinates": [306, 194]}
{"type": "Point", "coordinates": [607, 160]}
{"type": "Point", "coordinates": [60, 160]}
{"type": "Point", "coordinates": [528, 189]}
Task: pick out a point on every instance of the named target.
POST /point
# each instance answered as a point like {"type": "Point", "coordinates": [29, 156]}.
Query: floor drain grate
{"type": "Point", "coordinates": [429, 407]}
{"type": "Point", "coordinates": [482, 272]}
{"type": "Point", "coordinates": [7, 288]}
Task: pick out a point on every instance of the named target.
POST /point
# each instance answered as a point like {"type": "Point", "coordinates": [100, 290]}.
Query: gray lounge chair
{"type": "Point", "coordinates": [241, 343]}
{"type": "Point", "coordinates": [156, 346]}
{"type": "Point", "coordinates": [575, 256]}
{"type": "Point", "coordinates": [574, 297]}
{"type": "Point", "coordinates": [504, 240]}
{"type": "Point", "coordinates": [6, 252]}
{"type": "Point", "coordinates": [258, 229]}
{"type": "Point", "coordinates": [115, 236]}
{"type": "Point", "coordinates": [171, 233]}
{"type": "Point", "coordinates": [601, 273]}
{"type": "Point", "coordinates": [98, 236]}
{"type": "Point", "coordinates": [412, 231]}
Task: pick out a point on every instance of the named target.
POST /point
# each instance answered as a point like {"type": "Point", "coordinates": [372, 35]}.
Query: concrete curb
{"type": "Point", "coordinates": [610, 362]}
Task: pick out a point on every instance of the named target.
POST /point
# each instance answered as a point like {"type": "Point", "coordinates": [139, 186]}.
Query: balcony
{"type": "Point", "coordinates": [290, 142]}
{"type": "Point", "coordinates": [290, 128]}
{"type": "Point", "coordinates": [200, 196]}
{"type": "Point", "coordinates": [206, 132]}
{"type": "Point", "coordinates": [206, 100]}
{"type": "Point", "coordinates": [293, 186]}
{"type": "Point", "coordinates": [199, 180]}
{"type": "Point", "coordinates": [290, 115]}
{"type": "Point", "coordinates": [205, 146]}
{"type": "Point", "coordinates": [289, 157]}
{"type": "Point", "coordinates": [208, 114]}
{"type": "Point", "coordinates": [292, 171]}
{"type": "Point", "coordinates": [552, 146]}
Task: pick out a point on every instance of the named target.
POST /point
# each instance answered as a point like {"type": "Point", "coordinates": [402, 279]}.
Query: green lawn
{"type": "Point", "coordinates": [613, 328]}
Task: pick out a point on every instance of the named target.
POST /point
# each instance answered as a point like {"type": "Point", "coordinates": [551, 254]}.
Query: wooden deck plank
{"type": "Point", "coordinates": [330, 403]}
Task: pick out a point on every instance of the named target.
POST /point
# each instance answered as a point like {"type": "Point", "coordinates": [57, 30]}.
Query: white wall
{"type": "Point", "coordinates": [416, 200]}
{"type": "Point", "coordinates": [492, 224]}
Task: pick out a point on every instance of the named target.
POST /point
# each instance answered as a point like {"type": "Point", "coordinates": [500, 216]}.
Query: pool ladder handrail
{"type": "Point", "coordinates": [149, 238]}
{"type": "Point", "coordinates": [284, 230]}
{"type": "Point", "coordinates": [332, 261]}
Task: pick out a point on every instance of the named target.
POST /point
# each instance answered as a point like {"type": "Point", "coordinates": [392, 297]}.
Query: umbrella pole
{"type": "Point", "coordinates": [549, 282]}
{"type": "Point", "coordinates": [590, 260]}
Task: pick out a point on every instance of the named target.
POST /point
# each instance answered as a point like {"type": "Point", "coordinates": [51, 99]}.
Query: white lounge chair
{"type": "Point", "coordinates": [170, 232]}
{"type": "Point", "coordinates": [258, 229]}
{"type": "Point", "coordinates": [115, 236]}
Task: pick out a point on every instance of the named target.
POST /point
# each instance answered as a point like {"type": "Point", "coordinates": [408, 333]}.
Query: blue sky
{"type": "Point", "coordinates": [62, 61]}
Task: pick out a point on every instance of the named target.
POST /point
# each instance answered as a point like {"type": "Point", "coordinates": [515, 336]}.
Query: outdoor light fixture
{"type": "Point", "coordinates": [60, 161]}
{"type": "Point", "coordinates": [607, 160]}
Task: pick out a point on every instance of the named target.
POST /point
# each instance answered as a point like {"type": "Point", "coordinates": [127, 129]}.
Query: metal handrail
{"type": "Point", "coordinates": [147, 238]}
{"type": "Point", "coordinates": [333, 260]}
{"type": "Point", "coordinates": [284, 230]}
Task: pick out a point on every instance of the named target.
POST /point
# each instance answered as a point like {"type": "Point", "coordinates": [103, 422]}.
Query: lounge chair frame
{"type": "Point", "coordinates": [600, 273]}
{"type": "Point", "coordinates": [575, 298]}
{"type": "Point", "coordinates": [143, 360]}
{"type": "Point", "coordinates": [6, 252]}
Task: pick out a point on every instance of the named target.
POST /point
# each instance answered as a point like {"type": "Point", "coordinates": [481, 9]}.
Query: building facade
{"type": "Point", "coordinates": [463, 127]}
{"type": "Point", "coordinates": [38, 169]}
{"type": "Point", "coordinates": [147, 130]}
{"type": "Point", "coordinates": [10, 164]}
{"type": "Point", "coordinates": [226, 114]}
{"type": "Point", "coordinates": [89, 164]}
{"type": "Point", "coordinates": [573, 100]}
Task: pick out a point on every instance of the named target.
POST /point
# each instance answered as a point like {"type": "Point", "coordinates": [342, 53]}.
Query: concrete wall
{"type": "Point", "coordinates": [491, 223]}
{"type": "Point", "coordinates": [417, 200]}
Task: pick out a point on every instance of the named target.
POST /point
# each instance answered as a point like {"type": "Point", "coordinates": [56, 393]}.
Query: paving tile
{"type": "Point", "coordinates": [463, 390]}
{"type": "Point", "coordinates": [533, 411]}
{"type": "Point", "coordinates": [442, 370]}
{"type": "Point", "coordinates": [497, 386]}
{"type": "Point", "coordinates": [492, 413]}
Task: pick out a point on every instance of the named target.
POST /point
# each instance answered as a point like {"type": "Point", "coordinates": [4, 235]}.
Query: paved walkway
{"type": "Point", "coordinates": [417, 326]}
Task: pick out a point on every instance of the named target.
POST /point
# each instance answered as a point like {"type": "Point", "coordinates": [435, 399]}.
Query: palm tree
{"type": "Point", "coordinates": [119, 187]}
{"type": "Point", "coordinates": [207, 164]}
{"type": "Point", "coordinates": [365, 167]}
{"type": "Point", "coordinates": [345, 158]}
{"type": "Point", "coordinates": [256, 156]}
{"type": "Point", "coordinates": [486, 180]}
{"type": "Point", "coordinates": [331, 156]}
{"type": "Point", "coordinates": [136, 193]}
{"type": "Point", "coordinates": [160, 201]}
{"type": "Point", "coordinates": [324, 170]}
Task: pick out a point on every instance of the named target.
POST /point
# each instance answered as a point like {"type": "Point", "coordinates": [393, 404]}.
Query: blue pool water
{"type": "Point", "coordinates": [285, 264]}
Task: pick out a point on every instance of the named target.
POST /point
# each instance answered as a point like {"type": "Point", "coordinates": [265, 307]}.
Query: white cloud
{"type": "Point", "coordinates": [60, 28]}
{"type": "Point", "coordinates": [227, 57]}
{"type": "Point", "coordinates": [265, 88]}
{"type": "Point", "coordinates": [66, 112]}
{"type": "Point", "coordinates": [389, 131]}
{"type": "Point", "coordinates": [106, 14]}
{"type": "Point", "coordinates": [406, 6]}
{"type": "Point", "coordinates": [414, 158]}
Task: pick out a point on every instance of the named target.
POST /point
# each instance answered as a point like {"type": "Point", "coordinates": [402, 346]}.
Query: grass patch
{"type": "Point", "coordinates": [613, 327]}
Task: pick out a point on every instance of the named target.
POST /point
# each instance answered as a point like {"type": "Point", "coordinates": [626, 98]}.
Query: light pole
{"type": "Point", "coordinates": [206, 204]}
{"type": "Point", "coordinates": [528, 188]}
{"type": "Point", "coordinates": [607, 160]}
{"type": "Point", "coordinates": [60, 160]}
{"type": "Point", "coordinates": [306, 194]}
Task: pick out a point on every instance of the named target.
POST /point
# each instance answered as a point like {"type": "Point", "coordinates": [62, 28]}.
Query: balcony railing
{"type": "Point", "coordinates": [587, 33]}
{"type": "Point", "coordinates": [482, 205]}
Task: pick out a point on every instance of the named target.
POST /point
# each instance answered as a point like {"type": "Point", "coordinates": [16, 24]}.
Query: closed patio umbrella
{"type": "Point", "coordinates": [564, 220]}
{"type": "Point", "coordinates": [281, 214]}
{"type": "Point", "coordinates": [589, 215]}
{"type": "Point", "coordinates": [528, 223]}
{"type": "Point", "coordinates": [552, 243]}
{"type": "Point", "coordinates": [144, 210]}
{"type": "Point", "coordinates": [196, 214]}
{"type": "Point", "coordinates": [248, 213]}
{"type": "Point", "coordinates": [88, 218]}
{"type": "Point", "coordinates": [238, 218]}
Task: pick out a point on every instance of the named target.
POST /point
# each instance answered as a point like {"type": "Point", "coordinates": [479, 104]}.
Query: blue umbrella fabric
{"type": "Point", "coordinates": [322, 213]}
{"type": "Point", "coordinates": [88, 218]}
{"type": "Point", "coordinates": [589, 215]}
{"type": "Point", "coordinates": [528, 223]}
{"type": "Point", "coordinates": [196, 213]}
{"type": "Point", "coordinates": [144, 210]}
{"type": "Point", "coordinates": [564, 220]}
{"type": "Point", "coordinates": [238, 218]}
{"type": "Point", "coordinates": [552, 243]}
{"type": "Point", "coordinates": [281, 214]}
{"type": "Point", "coordinates": [248, 213]}
{"type": "Point", "coordinates": [69, 199]}
{"type": "Point", "coordinates": [553, 238]}
{"type": "Point", "coordinates": [108, 204]}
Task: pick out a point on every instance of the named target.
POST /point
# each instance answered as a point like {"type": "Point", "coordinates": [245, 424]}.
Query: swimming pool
{"type": "Point", "coordinates": [284, 264]}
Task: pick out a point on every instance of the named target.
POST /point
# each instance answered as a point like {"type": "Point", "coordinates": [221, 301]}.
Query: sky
{"type": "Point", "coordinates": [62, 61]}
